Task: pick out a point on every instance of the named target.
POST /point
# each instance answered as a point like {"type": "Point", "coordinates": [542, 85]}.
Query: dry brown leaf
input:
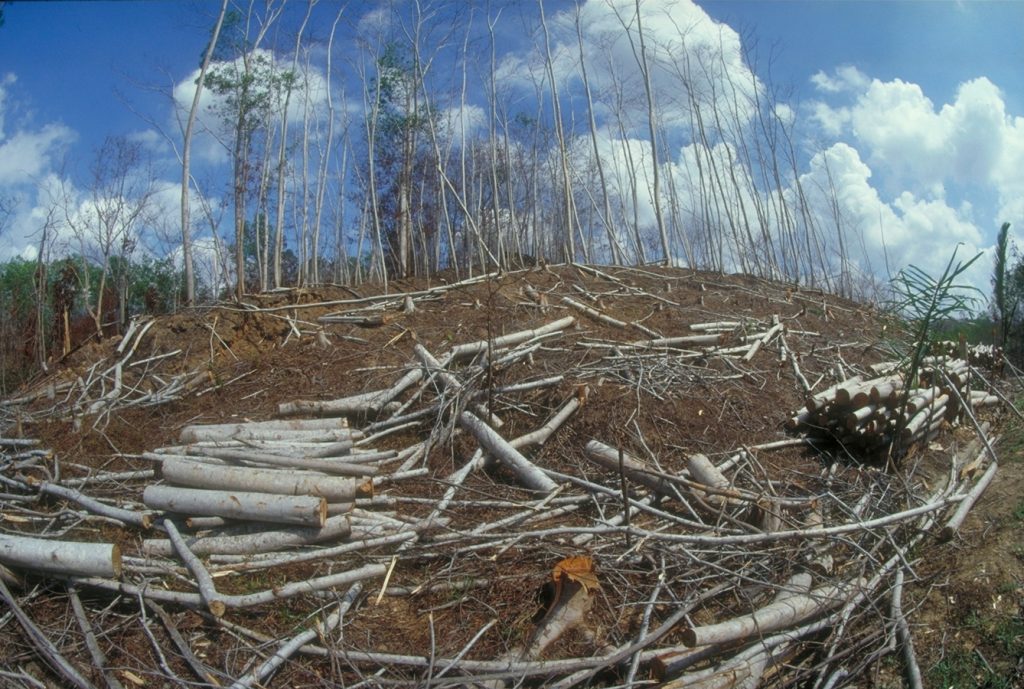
{"type": "Point", "coordinates": [579, 568]}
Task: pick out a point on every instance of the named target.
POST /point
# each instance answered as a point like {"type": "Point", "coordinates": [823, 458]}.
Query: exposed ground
{"type": "Point", "coordinates": [964, 599]}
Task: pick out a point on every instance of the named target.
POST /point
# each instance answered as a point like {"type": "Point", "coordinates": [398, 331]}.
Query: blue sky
{"type": "Point", "coordinates": [916, 107]}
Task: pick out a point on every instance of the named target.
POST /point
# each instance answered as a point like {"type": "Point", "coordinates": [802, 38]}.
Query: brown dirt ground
{"type": "Point", "coordinates": [252, 363]}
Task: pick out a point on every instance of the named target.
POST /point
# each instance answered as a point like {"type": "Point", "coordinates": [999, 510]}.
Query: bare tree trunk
{"type": "Point", "coordinates": [606, 219]}
{"type": "Point", "coordinates": [186, 157]}
{"type": "Point", "coordinates": [569, 247]}
{"type": "Point", "coordinates": [645, 71]}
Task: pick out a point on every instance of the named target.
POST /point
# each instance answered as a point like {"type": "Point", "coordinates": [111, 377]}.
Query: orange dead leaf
{"type": "Point", "coordinates": [580, 569]}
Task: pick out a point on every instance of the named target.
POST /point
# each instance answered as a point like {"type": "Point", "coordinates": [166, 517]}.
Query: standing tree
{"type": "Point", "coordinates": [397, 132]}
{"type": "Point", "coordinates": [245, 78]}
{"type": "Point", "coordinates": [186, 154]}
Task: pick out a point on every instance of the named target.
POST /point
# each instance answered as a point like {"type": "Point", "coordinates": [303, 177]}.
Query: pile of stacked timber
{"type": "Point", "coordinates": [869, 414]}
{"type": "Point", "coordinates": [984, 356]}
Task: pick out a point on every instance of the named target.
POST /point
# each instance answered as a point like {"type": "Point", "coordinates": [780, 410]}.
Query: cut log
{"type": "Point", "coordinates": [683, 342]}
{"type": "Point", "coordinates": [525, 470]}
{"type": "Point", "coordinates": [255, 538]}
{"type": "Point", "coordinates": [60, 557]}
{"type": "Point", "coordinates": [226, 431]}
{"type": "Point", "coordinates": [606, 319]}
{"type": "Point", "coordinates": [608, 457]}
{"type": "Point", "coordinates": [240, 432]}
{"type": "Point", "coordinates": [473, 348]}
{"type": "Point", "coordinates": [302, 510]}
{"type": "Point", "coordinates": [773, 617]}
{"type": "Point", "coordinates": [822, 398]}
{"type": "Point", "coordinates": [704, 472]}
{"type": "Point", "coordinates": [956, 521]}
{"type": "Point", "coordinates": [195, 475]}
{"type": "Point", "coordinates": [327, 466]}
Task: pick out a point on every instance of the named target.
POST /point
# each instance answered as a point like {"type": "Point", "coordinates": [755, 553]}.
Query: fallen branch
{"type": "Point", "coordinates": [204, 581]}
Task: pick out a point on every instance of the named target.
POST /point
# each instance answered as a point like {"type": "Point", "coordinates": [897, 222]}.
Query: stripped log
{"type": "Point", "coordinates": [525, 470]}
{"type": "Point", "coordinates": [195, 475]}
{"type": "Point", "coordinates": [636, 470]}
{"type": "Point", "coordinates": [301, 510]}
{"type": "Point", "coordinates": [254, 538]}
{"type": "Point", "coordinates": [704, 472]}
{"type": "Point", "coordinates": [470, 349]}
{"type": "Point", "coordinates": [777, 615]}
{"type": "Point", "coordinates": [328, 466]}
{"type": "Point", "coordinates": [69, 558]}
{"type": "Point", "coordinates": [227, 431]}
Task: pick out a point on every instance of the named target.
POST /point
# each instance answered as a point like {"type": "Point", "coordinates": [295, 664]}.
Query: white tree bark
{"type": "Point", "coordinates": [778, 615]}
{"type": "Point", "coordinates": [527, 472]}
{"type": "Point", "coordinates": [302, 510]}
{"type": "Point", "coordinates": [264, 430]}
{"type": "Point", "coordinates": [243, 540]}
{"type": "Point", "coordinates": [196, 475]}
{"type": "Point", "coordinates": [60, 557]}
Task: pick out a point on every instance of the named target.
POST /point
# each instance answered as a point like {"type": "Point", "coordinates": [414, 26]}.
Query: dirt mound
{"type": "Point", "coordinates": [489, 575]}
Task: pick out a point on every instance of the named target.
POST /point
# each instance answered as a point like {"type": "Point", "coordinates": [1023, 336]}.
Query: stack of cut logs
{"type": "Point", "coordinates": [258, 487]}
{"type": "Point", "coordinates": [869, 414]}
{"type": "Point", "coordinates": [985, 356]}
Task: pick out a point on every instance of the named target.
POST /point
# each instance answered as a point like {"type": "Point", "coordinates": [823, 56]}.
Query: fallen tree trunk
{"type": "Point", "coordinates": [139, 519]}
{"type": "Point", "coordinates": [226, 431]}
{"type": "Point", "coordinates": [328, 466]}
{"type": "Point", "coordinates": [248, 600]}
{"type": "Point", "coordinates": [956, 521]}
{"type": "Point", "coordinates": [302, 510]}
{"type": "Point", "coordinates": [527, 472]}
{"type": "Point", "coordinates": [704, 472]}
{"type": "Point", "coordinates": [473, 348]}
{"type": "Point", "coordinates": [778, 615]}
{"type": "Point", "coordinates": [360, 404]}
{"type": "Point", "coordinates": [67, 558]}
{"type": "Point", "coordinates": [204, 582]}
{"type": "Point", "coordinates": [246, 540]}
{"type": "Point", "coordinates": [608, 457]}
{"type": "Point", "coordinates": [195, 475]}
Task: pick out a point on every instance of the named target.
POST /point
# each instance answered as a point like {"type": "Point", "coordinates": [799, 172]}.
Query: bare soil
{"type": "Point", "coordinates": [964, 600]}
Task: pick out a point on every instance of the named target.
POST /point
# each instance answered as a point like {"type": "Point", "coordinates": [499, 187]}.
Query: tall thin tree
{"type": "Point", "coordinates": [186, 157]}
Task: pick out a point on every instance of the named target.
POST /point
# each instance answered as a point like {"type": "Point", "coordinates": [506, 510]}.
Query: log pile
{"type": "Point", "coordinates": [691, 566]}
{"type": "Point", "coordinates": [870, 414]}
